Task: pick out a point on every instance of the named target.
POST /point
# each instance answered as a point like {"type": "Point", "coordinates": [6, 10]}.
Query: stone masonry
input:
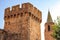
{"type": "Point", "coordinates": [22, 23]}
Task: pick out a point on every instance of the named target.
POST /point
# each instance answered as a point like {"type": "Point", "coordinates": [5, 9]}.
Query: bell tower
{"type": "Point", "coordinates": [48, 27]}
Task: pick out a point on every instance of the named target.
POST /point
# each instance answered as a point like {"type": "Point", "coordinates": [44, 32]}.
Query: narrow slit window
{"type": "Point", "coordinates": [14, 15]}
{"type": "Point", "coordinates": [29, 13]}
{"type": "Point", "coordinates": [48, 27]}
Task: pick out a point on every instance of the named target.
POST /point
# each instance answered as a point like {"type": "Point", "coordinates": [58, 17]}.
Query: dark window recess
{"type": "Point", "coordinates": [11, 16]}
{"type": "Point", "coordinates": [21, 14]}
{"type": "Point", "coordinates": [48, 27]}
{"type": "Point", "coordinates": [5, 17]}
{"type": "Point", "coordinates": [29, 13]}
{"type": "Point", "coordinates": [14, 15]}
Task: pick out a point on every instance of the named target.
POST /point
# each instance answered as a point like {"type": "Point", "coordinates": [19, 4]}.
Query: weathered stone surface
{"type": "Point", "coordinates": [22, 23]}
{"type": "Point", "coordinates": [48, 34]}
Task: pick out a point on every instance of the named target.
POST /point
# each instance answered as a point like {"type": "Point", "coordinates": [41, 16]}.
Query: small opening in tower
{"type": "Point", "coordinates": [5, 17]}
{"type": "Point", "coordinates": [21, 14]}
{"type": "Point", "coordinates": [14, 15]}
{"type": "Point", "coordinates": [29, 13]}
{"type": "Point", "coordinates": [48, 27]}
{"type": "Point", "coordinates": [11, 16]}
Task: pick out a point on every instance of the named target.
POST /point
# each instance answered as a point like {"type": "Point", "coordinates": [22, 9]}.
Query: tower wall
{"type": "Point", "coordinates": [2, 34]}
{"type": "Point", "coordinates": [24, 21]}
{"type": "Point", "coordinates": [49, 31]}
{"type": "Point", "coordinates": [35, 29]}
{"type": "Point", "coordinates": [30, 8]}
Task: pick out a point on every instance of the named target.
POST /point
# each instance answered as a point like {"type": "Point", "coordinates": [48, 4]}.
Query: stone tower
{"type": "Point", "coordinates": [23, 22]}
{"type": "Point", "coordinates": [48, 28]}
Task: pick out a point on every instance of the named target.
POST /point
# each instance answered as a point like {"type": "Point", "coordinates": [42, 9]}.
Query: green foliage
{"type": "Point", "coordinates": [56, 29]}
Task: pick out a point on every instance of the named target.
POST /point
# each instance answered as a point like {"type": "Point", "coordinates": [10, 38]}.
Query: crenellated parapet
{"type": "Point", "coordinates": [7, 10]}
{"type": "Point", "coordinates": [15, 8]}
{"type": "Point", "coordinates": [33, 10]}
{"type": "Point", "coordinates": [26, 7]}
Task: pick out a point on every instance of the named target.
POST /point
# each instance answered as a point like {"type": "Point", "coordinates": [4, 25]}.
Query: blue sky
{"type": "Point", "coordinates": [43, 5]}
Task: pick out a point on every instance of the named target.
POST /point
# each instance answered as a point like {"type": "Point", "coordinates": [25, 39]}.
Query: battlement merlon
{"type": "Point", "coordinates": [37, 12]}
{"type": "Point", "coordinates": [7, 10]}
{"type": "Point", "coordinates": [32, 9]}
{"type": "Point", "coordinates": [27, 7]}
{"type": "Point", "coordinates": [15, 8]}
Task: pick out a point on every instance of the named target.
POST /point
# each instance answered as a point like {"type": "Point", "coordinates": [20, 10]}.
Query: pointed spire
{"type": "Point", "coordinates": [49, 18]}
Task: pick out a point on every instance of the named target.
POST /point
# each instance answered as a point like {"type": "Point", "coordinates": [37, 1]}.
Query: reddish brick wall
{"type": "Point", "coordinates": [48, 34]}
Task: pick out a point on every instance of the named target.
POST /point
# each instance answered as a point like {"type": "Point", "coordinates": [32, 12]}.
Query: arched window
{"type": "Point", "coordinates": [48, 27]}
